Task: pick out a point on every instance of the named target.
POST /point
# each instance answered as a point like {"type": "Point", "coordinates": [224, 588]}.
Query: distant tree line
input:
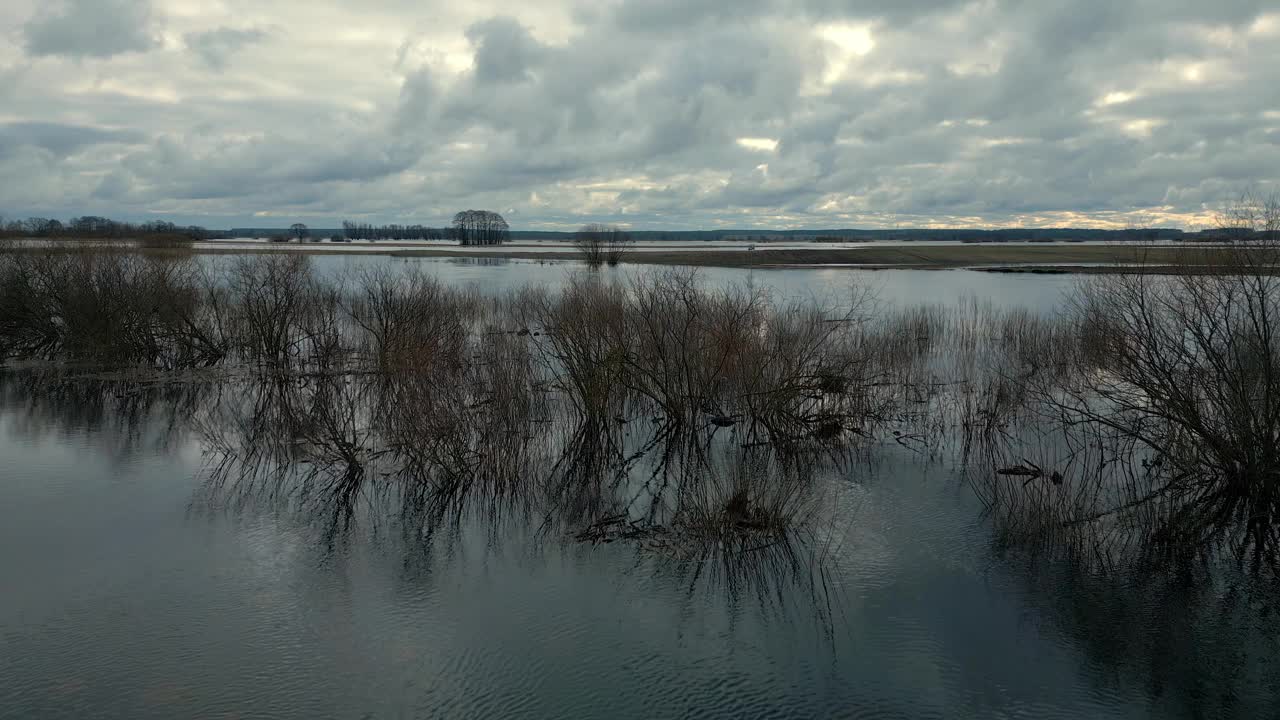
{"type": "Point", "coordinates": [470, 227]}
{"type": "Point", "coordinates": [93, 227]}
{"type": "Point", "coordinates": [367, 231]}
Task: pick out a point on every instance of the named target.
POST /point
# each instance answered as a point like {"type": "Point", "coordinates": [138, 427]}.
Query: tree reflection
{"type": "Point", "coordinates": [127, 413]}
{"type": "Point", "coordinates": [370, 451]}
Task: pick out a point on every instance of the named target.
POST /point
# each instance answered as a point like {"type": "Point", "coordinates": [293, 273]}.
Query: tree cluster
{"type": "Point", "coordinates": [480, 227]}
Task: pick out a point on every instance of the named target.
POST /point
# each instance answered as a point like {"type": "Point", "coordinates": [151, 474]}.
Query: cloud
{"type": "Point", "coordinates": [92, 28]}
{"type": "Point", "coordinates": [59, 139]}
{"type": "Point", "coordinates": [201, 166]}
{"type": "Point", "coordinates": [216, 47]}
{"type": "Point", "coordinates": [768, 113]}
{"type": "Point", "coordinates": [505, 51]}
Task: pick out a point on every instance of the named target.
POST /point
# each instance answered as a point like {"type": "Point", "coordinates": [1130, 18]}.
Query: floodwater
{"type": "Point", "coordinates": [125, 592]}
{"type": "Point", "coordinates": [828, 285]}
{"type": "Point", "coordinates": [644, 246]}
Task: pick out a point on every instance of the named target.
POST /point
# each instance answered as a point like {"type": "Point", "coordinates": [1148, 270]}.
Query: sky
{"type": "Point", "coordinates": [653, 114]}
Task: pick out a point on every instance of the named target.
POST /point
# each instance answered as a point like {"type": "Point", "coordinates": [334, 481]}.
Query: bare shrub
{"type": "Point", "coordinates": [106, 306]}
{"type": "Point", "coordinates": [409, 320]}
{"type": "Point", "coordinates": [590, 241]}
{"type": "Point", "coordinates": [600, 243]}
{"type": "Point", "coordinates": [724, 358]}
{"type": "Point", "coordinates": [270, 296]}
{"type": "Point", "coordinates": [618, 244]}
{"type": "Point", "coordinates": [685, 341]}
{"type": "Point", "coordinates": [1177, 379]}
{"type": "Point", "coordinates": [587, 345]}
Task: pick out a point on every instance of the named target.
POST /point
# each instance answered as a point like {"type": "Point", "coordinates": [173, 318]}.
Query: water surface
{"type": "Point", "coordinates": [826, 284]}
{"type": "Point", "coordinates": [131, 588]}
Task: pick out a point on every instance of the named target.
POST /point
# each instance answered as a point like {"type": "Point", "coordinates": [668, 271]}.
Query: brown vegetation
{"type": "Point", "coordinates": [1162, 432]}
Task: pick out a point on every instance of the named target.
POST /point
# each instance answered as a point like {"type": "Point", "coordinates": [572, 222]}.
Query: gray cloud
{"type": "Point", "coordinates": [59, 139]}
{"type": "Point", "coordinates": [660, 114]}
{"type": "Point", "coordinates": [92, 28]}
{"type": "Point", "coordinates": [216, 47]}
{"type": "Point", "coordinates": [505, 51]}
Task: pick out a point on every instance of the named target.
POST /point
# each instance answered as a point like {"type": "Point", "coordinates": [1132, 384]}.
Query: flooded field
{"type": "Point", "coordinates": [385, 487]}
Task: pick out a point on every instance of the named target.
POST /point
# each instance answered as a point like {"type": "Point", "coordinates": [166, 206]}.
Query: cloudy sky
{"type": "Point", "coordinates": [653, 113]}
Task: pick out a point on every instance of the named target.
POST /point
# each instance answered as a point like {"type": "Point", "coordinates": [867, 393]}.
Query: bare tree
{"type": "Point", "coordinates": [601, 243]}
{"type": "Point", "coordinates": [590, 241]}
{"type": "Point", "coordinates": [1251, 217]}
{"type": "Point", "coordinates": [617, 245]}
{"type": "Point", "coordinates": [299, 231]}
{"type": "Point", "coordinates": [480, 227]}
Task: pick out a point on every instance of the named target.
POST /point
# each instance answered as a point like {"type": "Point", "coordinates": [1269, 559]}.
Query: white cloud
{"type": "Point", "coordinates": [1116, 98]}
{"type": "Point", "coordinates": [1142, 127]}
{"type": "Point", "coordinates": [758, 144]}
{"type": "Point", "coordinates": [843, 44]}
{"type": "Point", "coordinates": [1267, 25]}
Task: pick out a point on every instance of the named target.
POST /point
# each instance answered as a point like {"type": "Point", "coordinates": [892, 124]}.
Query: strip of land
{"type": "Point", "coordinates": [1062, 258]}
{"type": "Point", "coordinates": [992, 257]}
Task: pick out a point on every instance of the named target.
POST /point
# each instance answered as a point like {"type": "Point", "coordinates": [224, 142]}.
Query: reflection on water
{"type": "Point", "coordinates": [900, 287]}
{"type": "Point", "coordinates": [575, 505]}
{"type": "Point", "coordinates": [341, 546]}
{"type": "Point", "coordinates": [481, 262]}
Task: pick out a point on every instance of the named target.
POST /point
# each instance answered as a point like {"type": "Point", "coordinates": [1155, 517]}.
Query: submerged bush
{"type": "Point", "coordinates": [728, 358]}
{"type": "Point", "coordinates": [109, 307]}
{"type": "Point", "coordinates": [1190, 378]}
{"type": "Point", "coordinates": [270, 298]}
{"type": "Point", "coordinates": [1158, 443]}
{"type": "Point", "coordinates": [409, 320]}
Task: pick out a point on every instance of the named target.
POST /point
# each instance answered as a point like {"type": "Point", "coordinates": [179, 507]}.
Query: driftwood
{"type": "Point", "coordinates": [1030, 471]}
